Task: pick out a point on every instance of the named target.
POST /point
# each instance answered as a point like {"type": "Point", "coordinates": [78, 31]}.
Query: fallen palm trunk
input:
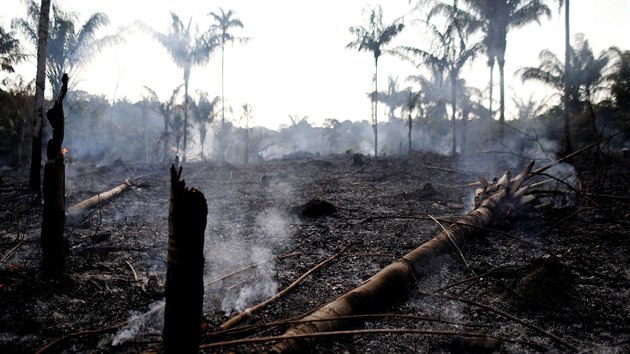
{"type": "Point", "coordinates": [184, 276]}
{"type": "Point", "coordinates": [53, 218]}
{"type": "Point", "coordinates": [393, 282]}
{"type": "Point", "coordinates": [99, 198]}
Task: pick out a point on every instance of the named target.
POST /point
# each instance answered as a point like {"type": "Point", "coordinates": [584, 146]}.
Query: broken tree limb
{"type": "Point", "coordinates": [109, 329]}
{"type": "Point", "coordinates": [394, 281]}
{"type": "Point", "coordinates": [187, 219]}
{"type": "Point", "coordinates": [99, 198]}
{"type": "Point", "coordinates": [240, 331]}
{"type": "Point", "coordinates": [314, 335]}
{"type": "Point", "coordinates": [251, 266]}
{"type": "Point", "coordinates": [249, 311]}
{"type": "Point", "coordinates": [546, 333]}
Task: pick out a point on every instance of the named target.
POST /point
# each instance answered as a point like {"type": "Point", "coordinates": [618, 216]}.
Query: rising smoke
{"type": "Point", "coordinates": [139, 324]}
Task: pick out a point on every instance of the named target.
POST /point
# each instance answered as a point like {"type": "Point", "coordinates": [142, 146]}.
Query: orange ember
{"type": "Point", "coordinates": [64, 151]}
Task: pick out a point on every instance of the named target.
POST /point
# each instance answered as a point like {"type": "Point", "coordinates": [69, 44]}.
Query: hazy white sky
{"type": "Point", "coordinates": [296, 62]}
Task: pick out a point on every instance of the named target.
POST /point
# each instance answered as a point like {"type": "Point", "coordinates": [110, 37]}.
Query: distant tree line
{"type": "Point", "coordinates": [434, 105]}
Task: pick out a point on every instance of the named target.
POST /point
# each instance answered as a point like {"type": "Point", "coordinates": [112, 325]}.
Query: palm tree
{"type": "Point", "coordinates": [495, 18]}
{"type": "Point", "coordinates": [451, 53]}
{"type": "Point", "coordinates": [590, 71]}
{"type": "Point", "coordinates": [393, 98]}
{"type": "Point", "coordinates": [551, 71]}
{"type": "Point", "coordinates": [187, 49]}
{"type": "Point", "coordinates": [511, 14]}
{"type": "Point", "coordinates": [35, 182]}
{"type": "Point", "coordinates": [567, 62]}
{"type": "Point", "coordinates": [70, 46]}
{"type": "Point", "coordinates": [178, 125]}
{"type": "Point", "coordinates": [412, 103]}
{"type": "Point", "coordinates": [479, 15]}
{"type": "Point", "coordinates": [10, 51]}
{"type": "Point", "coordinates": [224, 22]}
{"type": "Point", "coordinates": [471, 104]}
{"type": "Point", "coordinates": [620, 79]}
{"type": "Point", "coordinates": [434, 93]}
{"type": "Point", "coordinates": [204, 113]}
{"type": "Point", "coordinates": [530, 108]}
{"type": "Point", "coordinates": [166, 110]}
{"type": "Point", "coordinates": [584, 75]}
{"type": "Point", "coordinates": [373, 39]}
{"type": "Point", "coordinates": [247, 118]}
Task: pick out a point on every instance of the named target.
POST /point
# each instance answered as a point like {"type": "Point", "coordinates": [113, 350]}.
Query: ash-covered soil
{"type": "Point", "coordinates": [562, 265]}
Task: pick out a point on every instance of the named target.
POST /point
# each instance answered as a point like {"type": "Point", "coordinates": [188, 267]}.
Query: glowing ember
{"type": "Point", "coordinates": [64, 151]}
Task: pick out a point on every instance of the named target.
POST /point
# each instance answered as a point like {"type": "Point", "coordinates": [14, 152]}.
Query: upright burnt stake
{"type": "Point", "coordinates": [54, 190]}
{"type": "Point", "coordinates": [184, 276]}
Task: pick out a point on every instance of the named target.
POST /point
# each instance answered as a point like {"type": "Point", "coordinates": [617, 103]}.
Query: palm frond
{"type": "Point", "coordinates": [532, 11]}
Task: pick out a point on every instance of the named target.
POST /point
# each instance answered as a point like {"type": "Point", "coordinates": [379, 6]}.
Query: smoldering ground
{"type": "Point", "coordinates": [250, 223]}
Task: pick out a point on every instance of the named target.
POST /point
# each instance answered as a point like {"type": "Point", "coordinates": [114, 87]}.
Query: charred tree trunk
{"type": "Point", "coordinates": [184, 277]}
{"type": "Point", "coordinates": [54, 190]}
{"type": "Point", "coordinates": [393, 282]}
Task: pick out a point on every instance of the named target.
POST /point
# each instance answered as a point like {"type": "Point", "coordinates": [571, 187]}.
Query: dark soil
{"type": "Point", "coordinates": [562, 265]}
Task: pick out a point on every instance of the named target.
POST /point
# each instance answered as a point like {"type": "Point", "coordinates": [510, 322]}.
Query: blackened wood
{"type": "Point", "coordinates": [184, 276]}
{"type": "Point", "coordinates": [393, 282]}
{"type": "Point", "coordinates": [53, 223]}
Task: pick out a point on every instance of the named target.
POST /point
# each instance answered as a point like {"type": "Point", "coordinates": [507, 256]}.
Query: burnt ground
{"type": "Point", "coordinates": [562, 265]}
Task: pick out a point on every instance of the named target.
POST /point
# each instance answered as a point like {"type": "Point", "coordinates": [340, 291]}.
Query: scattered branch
{"type": "Point", "coordinates": [546, 333]}
{"type": "Point", "coordinates": [364, 331]}
{"type": "Point", "coordinates": [251, 266]}
{"type": "Point", "coordinates": [249, 311]}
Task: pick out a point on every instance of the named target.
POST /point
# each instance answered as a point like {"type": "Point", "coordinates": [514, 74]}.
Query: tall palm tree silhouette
{"type": "Point", "coordinates": [373, 39]}
{"type": "Point", "coordinates": [224, 23]}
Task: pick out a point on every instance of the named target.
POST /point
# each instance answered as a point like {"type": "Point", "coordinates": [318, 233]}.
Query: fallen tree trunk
{"type": "Point", "coordinates": [99, 198]}
{"type": "Point", "coordinates": [392, 282]}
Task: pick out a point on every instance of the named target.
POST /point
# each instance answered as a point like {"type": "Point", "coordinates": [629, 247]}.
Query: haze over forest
{"type": "Point", "coordinates": [290, 64]}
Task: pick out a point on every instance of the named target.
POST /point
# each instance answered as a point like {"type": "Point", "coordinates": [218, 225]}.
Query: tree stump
{"type": "Point", "coordinates": [184, 276]}
{"type": "Point", "coordinates": [53, 224]}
